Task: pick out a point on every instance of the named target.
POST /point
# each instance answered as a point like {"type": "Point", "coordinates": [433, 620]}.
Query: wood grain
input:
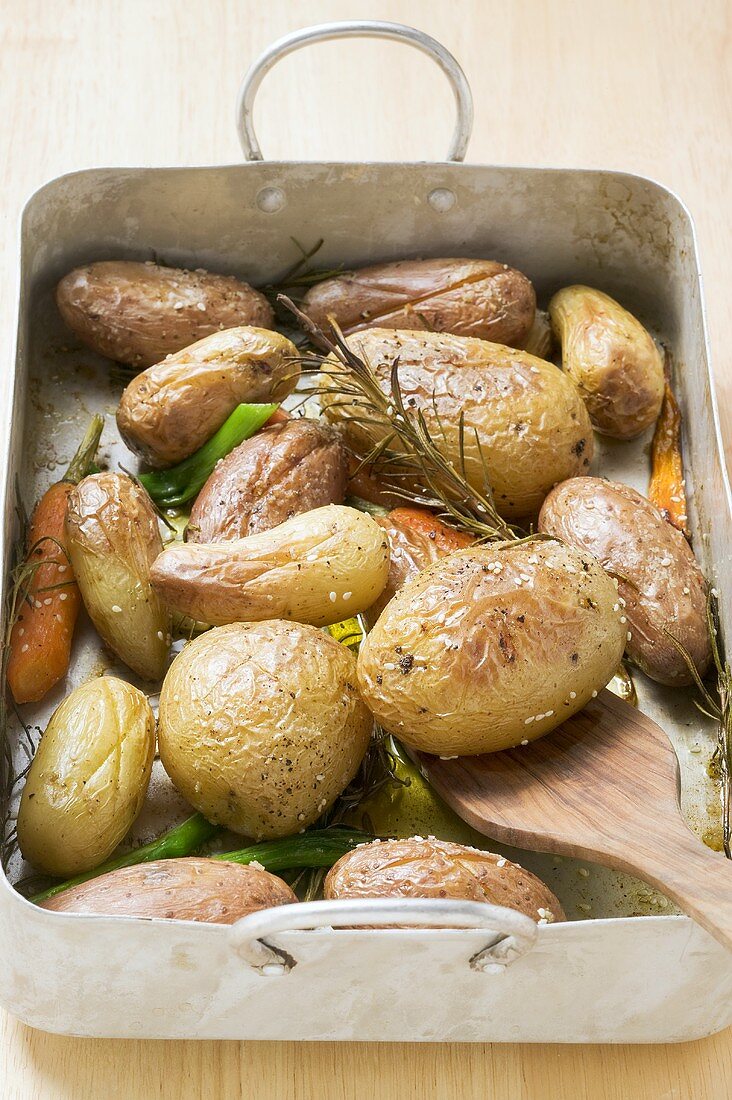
{"type": "Point", "coordinates": [643, 86]}
{"type": "Point", "coordinates": [604, 786]}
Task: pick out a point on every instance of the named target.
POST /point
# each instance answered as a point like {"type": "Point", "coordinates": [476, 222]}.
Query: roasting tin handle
{"type": "Point", "coordinates": [359, 28]}
{"type": "Point", "coordinates": [513, 933]}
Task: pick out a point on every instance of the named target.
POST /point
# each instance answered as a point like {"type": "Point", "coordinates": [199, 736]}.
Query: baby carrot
{"type": "Point", "coordinates": [40, 640]}
{"type": "Point", "coordinates": [666, 488]}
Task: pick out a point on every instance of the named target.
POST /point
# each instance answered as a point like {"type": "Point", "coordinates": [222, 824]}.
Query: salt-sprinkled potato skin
{"type": "Point", "coordinates": [416, 538]}
{"type": "Point", "coordinates": [210, 891]}
{"type": "Point", "coordinates": [89, 777]}
{"type": "Point", "coordinates": [261, 725]}
{"type": "Point", "coordinates": [531, 424]}
{"type": "Point", "coordinates": [170, 410]}
{"type": "Point", "coordinates": [492, 646]}
{"type": "Point", "coordinates": [281, 472]}
{"type": "Point", "coordinates": [114, 538]}
{"type": "Point", "coordinates": [428, 868]}
{"type": "Point", "coordinates": [318, 568]}
{"type": "Point", "coordinates": [479, 298]}
{"type": "Point", "coordinates": [659, 580]}
{"type": "Point", "coordinates": [137, 313]}
{"type": "Point", "coordinates": [611, 358]}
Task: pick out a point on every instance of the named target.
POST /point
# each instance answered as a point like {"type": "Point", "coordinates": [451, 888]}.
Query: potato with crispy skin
{"type": "Point", "coordinates": [170, 410]}
{"type": "Point", "coordinates": [492, 646]}
{"type": "Point", "coordinates": [114, 538]}
{"type": "Point", "coordinates": [525, 425]}
{"type": "Point", "coordinates": [416, 538]}
{"type": "Point", "coordinates": [611, 358]}
{"type": "Point", "coordinates": [659, 581]}
{"type": "Point", "coordinates": [88, 779]}
{"type": "Point", "coordinates": [210, 891]}
{"type": "Point", "coordinates": [279, 473]}
{"type": "Point", "coordinates": [430, 868]}
{"type": "Point", "coordinates": [137, 313]}
{"type": "Point", "coordinates": [467, 297]}
{"type": "Point", "coordinates": [261, 725]}
{"type": "Point", "coordinates": [318, 568]}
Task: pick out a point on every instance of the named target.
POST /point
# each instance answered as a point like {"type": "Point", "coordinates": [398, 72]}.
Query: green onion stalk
{"type": "Point", "coordinates": [174, 487]}
{"type": "Point", "coordinates": [317, 848]}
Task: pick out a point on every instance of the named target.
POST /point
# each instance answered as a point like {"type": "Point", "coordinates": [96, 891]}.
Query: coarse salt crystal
{"type": "Point", "coordinates": [64, 596]}
{"type": "Point", "coordinates": [528, 720]}
{"type": "Point", "coordinates": [116, 608]}
{"type": "Point", "coordinates": [347, 595]}
{"type": "Point", "coordinates": [332, 597]}
{"type": "Point", "coordinates": [573, 694]}
{"type": "Point", "coordinates": [525, 741]}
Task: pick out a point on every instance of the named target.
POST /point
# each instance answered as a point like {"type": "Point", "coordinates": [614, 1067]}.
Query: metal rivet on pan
{"type": "Point", "coordinates": [442, 199]}
{"type": "Point", "coordinates": [271, 199]}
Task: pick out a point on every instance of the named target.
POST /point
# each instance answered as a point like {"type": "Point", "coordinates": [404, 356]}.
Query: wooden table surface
{"type": "Point", "coordinates": [643, 85]}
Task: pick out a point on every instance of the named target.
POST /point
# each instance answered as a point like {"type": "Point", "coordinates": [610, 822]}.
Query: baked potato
{"type": "Point", "coordinates": [430, 868]}
{"type": "Point", "coordinates": [467, 297]}
{"type": "Point", "coordinates": [416, 538]}
{"type": "Point", "coordinates": [261, 725]}
{"type": "Point", "coordinates": [612, 359]}
{"type": "Point", "coordinates": [211, 891]}
{"type": "Point", "coordinates": [525, 424]}
{"type": "Point", "coordinates": [137, 313]}
{"type": "Point", "coordinates": [113, 539]}
{"type": "Point", "coordinates": [318, 568]}
{"type": "Point", "coordinates": [661, 586]}
{"type": "Point", "coordinates": [88, 778]}
{"type": "Point", "coordinates": [281, 472]}
{"type": "Point", "coordinates": [491, 647]}
{"type": "Point", "coordinates": [170, 410]}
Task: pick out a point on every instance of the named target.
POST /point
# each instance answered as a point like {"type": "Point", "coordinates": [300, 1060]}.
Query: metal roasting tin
{"type": "Point", "coordinates": [298, 972]}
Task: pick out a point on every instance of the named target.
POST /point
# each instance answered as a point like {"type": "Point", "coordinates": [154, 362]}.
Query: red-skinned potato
{"type": "Point", "coordinates": [430, 868]}
{"type": "Point", "coordinates": [281, 472]}
{"type": "Point", "coordinates": [480, 298]}
{"type": "Point", "coordinates": [659, 581]}
{"type": "Point", "coordinates": [210, 891]}
{"type": "Point", "coordinates": [137, 313]}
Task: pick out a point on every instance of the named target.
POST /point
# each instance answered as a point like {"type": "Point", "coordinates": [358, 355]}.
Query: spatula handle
{"type": "Point", "coordinates": [696, 878]}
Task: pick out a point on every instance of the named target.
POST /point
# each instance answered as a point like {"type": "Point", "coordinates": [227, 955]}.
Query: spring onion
{"type": "Point", "coordinates": [176, 486]}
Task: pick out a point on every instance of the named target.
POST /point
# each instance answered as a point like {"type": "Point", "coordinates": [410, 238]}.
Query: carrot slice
{"type": "Point", "coordinates": [666, 487]}
{"type": "Point", "coordinates": [40, 640]}
{"type": "Point", "coordinates": [445, 539]}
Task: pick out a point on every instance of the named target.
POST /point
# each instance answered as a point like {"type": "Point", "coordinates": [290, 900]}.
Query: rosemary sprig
{"type": "Point", "coordinates": [405, 454]}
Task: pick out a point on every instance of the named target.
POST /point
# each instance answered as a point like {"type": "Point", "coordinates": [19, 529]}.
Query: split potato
{"type": "Point", "coordinates": [492, 646]}
{"type": "Point", "coordinates": [281, 472]}
{"type": "Point", "coordinates": [525, 424]}
{"type": "Point", "coordinates": [88, 779]}
{"type": "Point", "coordinates": [612, 359]}
{"type": "Point", "coordinates": [210, 891]}
{"type": "Point", "coordinates": [661, 586]}
{"type": "Point", "coordinates": [467, 297]}
{"type": "Point", "coordinates": [319, 568]}
{"type": "Point", "coordinates": [170, 410]}
{"type": "Point", "coordinates": [114, 537]}
{"type": "Point", "coordinates": [261, 725]}
{"type": "Point", "coordinates": [137, 313]}
{"type": "Point", "coordinates": [430, 868]}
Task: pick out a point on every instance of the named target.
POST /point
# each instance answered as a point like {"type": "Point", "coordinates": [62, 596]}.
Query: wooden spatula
{"type": "Point", "coordinates": [604, 786]}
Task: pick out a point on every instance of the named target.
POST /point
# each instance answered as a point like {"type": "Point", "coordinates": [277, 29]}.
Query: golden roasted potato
{"type": "Point", "coordinates": [261, 725]}
{"type": "Point", "coordinates": [190, 888]}
{"type": "Point", "coordinates": [281, 472]}
{"type": "Point", "coordinates": [611, 358]}
{"type": "Point", "coordinates": [317, 568]}
{"type": "Point", "coordinates": [114, 538]}
{"type": "Point", "coordinates": [416, 538]}
{"type": "Point", "coordinates": [522, 414]}
{"type": "Point", "coordinates": [170, 410]}
{"type": "Point", "coordinates": [491, 647]}
{"type": "Point", "coordinates": [430, 868]}
{"type": "Point", "coordinates": [661, 587]}
{"type": "Point", "coordinates": [467, 297]}
{"type": "Point", "coordinates": [137, 313]}
{"type": "Point", "coordinates": [89, 777]}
